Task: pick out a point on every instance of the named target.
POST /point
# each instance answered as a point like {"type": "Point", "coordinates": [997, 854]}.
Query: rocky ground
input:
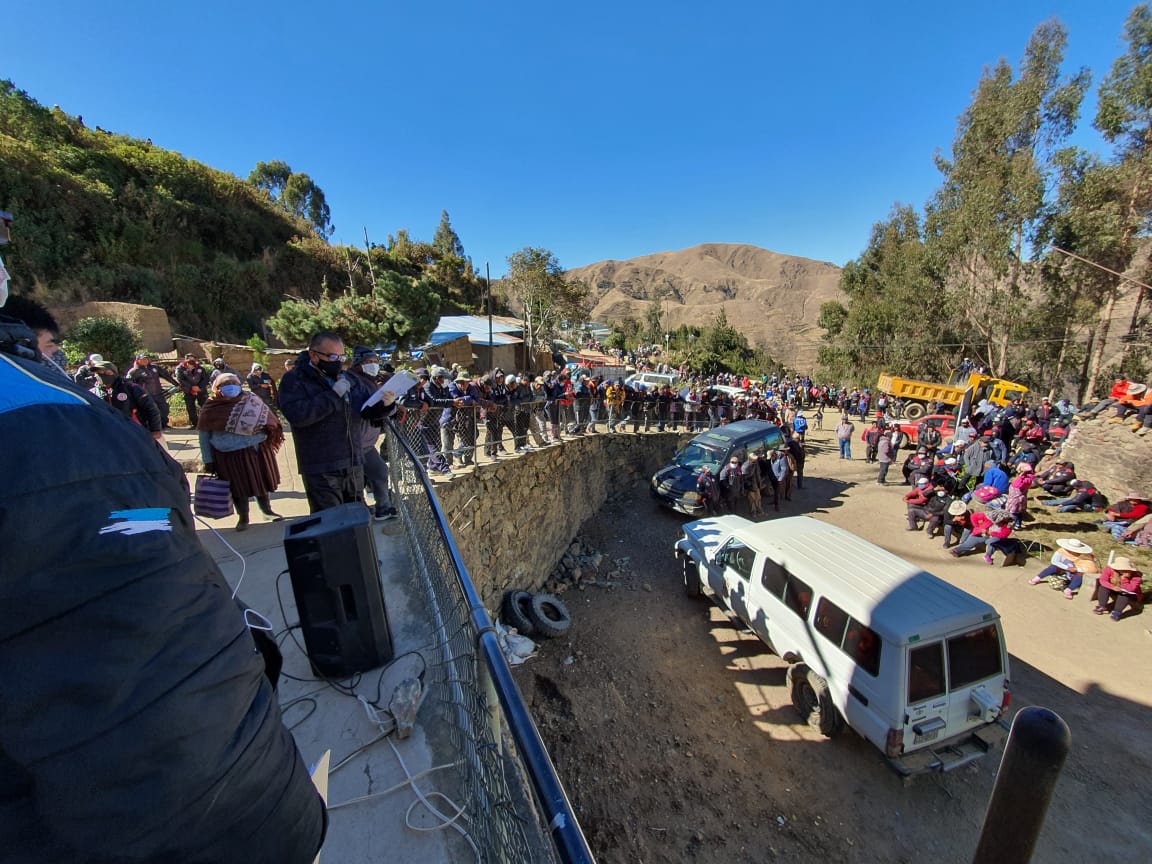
{"type": "Point", "coordinates": [676, 740]}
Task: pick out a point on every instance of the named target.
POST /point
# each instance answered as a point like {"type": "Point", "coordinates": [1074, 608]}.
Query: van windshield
{"type": "Point", "coordinates": [695, 456]}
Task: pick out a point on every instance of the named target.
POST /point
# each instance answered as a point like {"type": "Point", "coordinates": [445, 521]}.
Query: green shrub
{"type": "Point", "coordinates": [113, 338]}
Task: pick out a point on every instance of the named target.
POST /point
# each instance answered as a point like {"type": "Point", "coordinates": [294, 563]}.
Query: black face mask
{"type": "Point", "coordinates": [331, 368]}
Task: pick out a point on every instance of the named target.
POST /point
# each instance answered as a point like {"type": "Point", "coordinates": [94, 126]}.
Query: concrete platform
{"type": "Point", "coordinates": [321, 718]}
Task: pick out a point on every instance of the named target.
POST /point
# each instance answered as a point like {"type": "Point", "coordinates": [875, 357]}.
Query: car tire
{"type": "Point", "coordinates": [516, 611]}
{"type": "Point", "coordinates": [549, 616]}
{"type": "Point", "coordinates": [913, 411]}
{"type": "Point", "coordinates": [813, 700]}
{"type": "Point", "coordinates": [691, 573]}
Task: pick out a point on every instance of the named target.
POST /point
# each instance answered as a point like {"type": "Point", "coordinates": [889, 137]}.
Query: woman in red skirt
{"type": "Point", "coordinates": [239, 437]}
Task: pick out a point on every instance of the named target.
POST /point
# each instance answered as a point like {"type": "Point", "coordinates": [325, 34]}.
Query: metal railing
{"type": "Point", "coordinates": [477, 698]}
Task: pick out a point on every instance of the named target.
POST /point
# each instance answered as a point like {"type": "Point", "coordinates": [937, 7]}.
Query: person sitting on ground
{"type": "Point", "coordinates": [1070, 562]}
{"type": "Point", "coordinates": [916, 500]}
{"type": "Point", "coordinates": [937, 509]}
{"type": "Point", "coordinates": [1120, 584]}
{"type": "Point", "coordinates": [1139, 533]}
{"type": "Point", "coordinates": [239, 439]}
{"type": "Point", "coordinates": [1057, 480]}
{"type": "Point", "coordinates": [1135, 397]}
{"type": "Point", "coordinates": [1120, 515]}
{"type": "Point", "coordinates": [1118, 392]}
{"type": "Point", "coordinates": [1017, 502]}
{"type": "Point", "coordinates": [991, 530]}
{"type": "Point", "coordinates": [958, 522]}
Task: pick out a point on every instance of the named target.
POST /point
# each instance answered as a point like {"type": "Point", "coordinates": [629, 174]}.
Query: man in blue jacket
{"type": "Point", "coordinates": [323, 404]}
{"type": "Point", "coordinates": [138, 723]}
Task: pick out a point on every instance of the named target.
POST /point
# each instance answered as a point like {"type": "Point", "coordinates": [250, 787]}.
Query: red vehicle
{"type": "Point", "coordinates": [946, 423]}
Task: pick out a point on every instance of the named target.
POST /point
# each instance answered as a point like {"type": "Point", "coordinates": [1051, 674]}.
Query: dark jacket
{"type": "Point", "coordinates": [327, 429]}
{"type": "Point", "coordinates": [440, 397]}
{"type": "Point", "coordinates": [191, 376]}
{"type": "Point", "coordinates": [137, 722]}
{"type": "Point", "coordinates": [149, 377]}
{"type": "Point", "coordinates": [130, 400]}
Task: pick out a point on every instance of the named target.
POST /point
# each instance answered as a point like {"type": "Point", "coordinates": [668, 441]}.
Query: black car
{"type": "Point", "coordinates": [675, 484]}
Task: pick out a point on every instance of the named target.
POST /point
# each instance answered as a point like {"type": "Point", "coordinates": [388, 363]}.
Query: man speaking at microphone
{"type": "Point", "coordinates": [323, 405]}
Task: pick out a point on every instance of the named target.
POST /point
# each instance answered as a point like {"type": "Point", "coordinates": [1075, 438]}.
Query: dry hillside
{"type": "Point", "coordinates": [773, 299]}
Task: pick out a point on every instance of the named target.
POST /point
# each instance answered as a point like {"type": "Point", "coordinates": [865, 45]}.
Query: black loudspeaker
{"type": "Point", "coordinates": [336, 581]}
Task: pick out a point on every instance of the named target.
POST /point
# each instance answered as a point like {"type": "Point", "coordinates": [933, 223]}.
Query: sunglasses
{"type": "Point", "coordinates": [331, 357]}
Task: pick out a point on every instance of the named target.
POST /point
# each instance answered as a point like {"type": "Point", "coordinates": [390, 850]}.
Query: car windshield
{"type": "Point", "coordinates": [695, 456]}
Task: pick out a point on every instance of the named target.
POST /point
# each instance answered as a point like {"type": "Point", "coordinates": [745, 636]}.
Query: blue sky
{"type": "Point", "coordinates": [596, 130]}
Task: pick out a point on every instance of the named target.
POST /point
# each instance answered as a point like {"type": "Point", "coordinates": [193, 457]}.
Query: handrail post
{"type": "Point", "coordinates": [1033, 758]}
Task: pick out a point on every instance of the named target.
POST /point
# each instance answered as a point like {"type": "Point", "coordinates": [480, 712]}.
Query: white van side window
{"type": "Point", "coordinates": [782, 585]}
{"type": "Point", "coordinates": [739, 557]}
{"type": "Point", "coordinates": [925, 672]}
{"type": "Point", "coordinates": [856, 640]}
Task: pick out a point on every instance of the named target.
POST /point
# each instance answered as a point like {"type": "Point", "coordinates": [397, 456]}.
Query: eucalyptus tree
{"type": "Point", "coordinates": [892, 320]}
{"type": "Point", "coordinates": [983, 221]}
{"type": "Point", "coordinates": [540, 289]}
{"type": "Point", "coordinates": [1124, 118]}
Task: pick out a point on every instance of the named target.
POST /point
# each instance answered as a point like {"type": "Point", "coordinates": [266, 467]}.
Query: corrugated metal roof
{"type": "Point", "coordinates": [475, 327]}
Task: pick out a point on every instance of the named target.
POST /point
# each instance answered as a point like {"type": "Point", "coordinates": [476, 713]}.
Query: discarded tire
{"type": "Point", "coordinates": [549, 616]}
{"type": "Point", "coordinates": [516, 611]}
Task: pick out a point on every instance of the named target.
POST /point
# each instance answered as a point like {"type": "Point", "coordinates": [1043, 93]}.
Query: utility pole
{"type": "Point", "coordinates": [368, 252]}
{"type": "Point", "coordinates": [488, 293]}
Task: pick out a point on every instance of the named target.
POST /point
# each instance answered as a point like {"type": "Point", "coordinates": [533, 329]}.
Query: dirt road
{"type": "Point", "coordinates": [676, 740]}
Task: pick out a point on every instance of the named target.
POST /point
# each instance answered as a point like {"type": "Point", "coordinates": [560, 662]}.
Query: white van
{"type": "Point", "coordinates": [912, 663]}
{"type": "Point", "coordinates": [651, 380]}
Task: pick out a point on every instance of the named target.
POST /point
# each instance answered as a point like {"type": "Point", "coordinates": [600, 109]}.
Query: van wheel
{"type": "Point", "coordinates": [691, 576]}
{"type": "Point", "coordinates": [812, 699]}
{"type": "Point", "coordinates": [913, 411]}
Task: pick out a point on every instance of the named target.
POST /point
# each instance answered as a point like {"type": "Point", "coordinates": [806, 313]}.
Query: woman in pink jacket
{"type": "Point", "coordinates": [1017, 503]}
{"type": "Point", "coordinates": [1119, 583]}
{"type": "Point", "coordinates": [992, 530]}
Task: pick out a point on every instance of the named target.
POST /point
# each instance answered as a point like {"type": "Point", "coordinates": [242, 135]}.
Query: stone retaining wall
{"type": "Point", "coordinates": [514, 520]}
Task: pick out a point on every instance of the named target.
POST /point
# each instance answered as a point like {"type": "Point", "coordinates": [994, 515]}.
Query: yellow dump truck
{"type": "Point", "coordinates": [917, 394]}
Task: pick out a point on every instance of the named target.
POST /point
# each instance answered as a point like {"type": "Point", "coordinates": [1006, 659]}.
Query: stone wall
{"type": "Point", "coordinates": [1112, 456]}
{"type": "Point", "coordinates": [514, 520]}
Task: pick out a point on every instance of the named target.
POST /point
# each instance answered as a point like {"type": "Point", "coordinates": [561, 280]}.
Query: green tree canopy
{"type": "Point", "coordinates": [538, 287]}
{"type": "Point", "coordinates": [296, 193]}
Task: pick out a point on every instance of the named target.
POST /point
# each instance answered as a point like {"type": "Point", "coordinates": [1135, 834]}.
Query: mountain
{"type": "Point", "coordinates": [771, 298]}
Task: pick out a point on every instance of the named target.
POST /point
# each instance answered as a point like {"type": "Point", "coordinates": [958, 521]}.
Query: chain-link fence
{"type": "Point", "coordinates": [518, 810]}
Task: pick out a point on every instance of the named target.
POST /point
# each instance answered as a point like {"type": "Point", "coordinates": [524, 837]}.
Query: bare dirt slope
{"type": "Point", "coordinates": [676, 740]}
{"type": "Point", "coordinates": [772, 299]}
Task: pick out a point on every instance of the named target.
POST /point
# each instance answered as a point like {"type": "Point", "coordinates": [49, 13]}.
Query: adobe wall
{"type": "Point", "coordinates": [514, 520]}
{"type": "Point", "coordinates": [151, 321]}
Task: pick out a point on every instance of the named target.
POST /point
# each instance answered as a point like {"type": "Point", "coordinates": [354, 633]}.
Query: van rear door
{"type": "Point", "coordinates": [955, 685]}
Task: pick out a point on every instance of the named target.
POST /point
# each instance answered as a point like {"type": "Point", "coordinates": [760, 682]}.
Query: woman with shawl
{"type": "Point", "coordinates": [239, 437]}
